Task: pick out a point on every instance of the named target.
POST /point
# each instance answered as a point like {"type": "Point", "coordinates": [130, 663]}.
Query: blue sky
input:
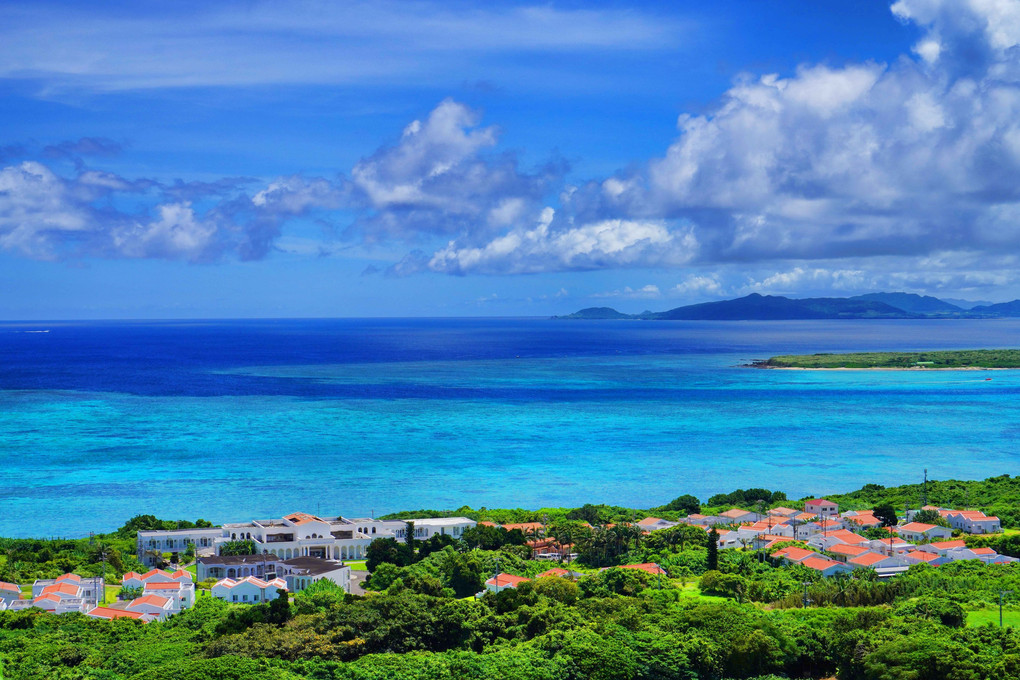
{"type": "Point", "coordinates": [447, 159]}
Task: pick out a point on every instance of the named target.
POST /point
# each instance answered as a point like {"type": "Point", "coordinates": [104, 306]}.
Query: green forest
{"type": "Point", "coordinates": [972, 358]}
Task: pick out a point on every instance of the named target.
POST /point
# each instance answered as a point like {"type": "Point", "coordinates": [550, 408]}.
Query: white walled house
{"type": "Point", "coordinates": [302, 572]}
{"type": "Point", "coordinates": [973, 522]}
{"type": "Point", "coordinates": [181, 594]}
{"type": "Point", "coordinates": [90, 590]}
{"type": "Point", "coordinates": [501, 582]}
{"type": "Point", "coordinates": [9, 592]}
{"type": "Point", "coordinates": [655, 523]}
{"type": "Point", "coordinates": [60, 603]}
{"type": "Point", "coordinates": [821, 507]}
{"type": "Point", "coordinates": [919, 531]}
{"type": "Point", "coordinates": [738, 516]}
{"type": "Point", "coordinates": [175, 541]}
{"type": "Point", "coordinates": [160, 608]}
{"type": "Point", "coordinates": [248, 590]}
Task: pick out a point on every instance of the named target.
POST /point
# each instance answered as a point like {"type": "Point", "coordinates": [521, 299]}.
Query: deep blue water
{"type": "Point", "coordinates": [232, 419]}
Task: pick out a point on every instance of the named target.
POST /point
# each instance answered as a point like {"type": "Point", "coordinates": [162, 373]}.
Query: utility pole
{"type": "Point", "coordinates": [924, 489]}
{"type": "Point", "coordinates": [805, 584]}
{"type": "Point", "coordinates": [1002, 593]}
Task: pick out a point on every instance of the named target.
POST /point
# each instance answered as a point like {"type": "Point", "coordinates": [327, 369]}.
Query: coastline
{"type": "Point", "coordinates": [878, 368]}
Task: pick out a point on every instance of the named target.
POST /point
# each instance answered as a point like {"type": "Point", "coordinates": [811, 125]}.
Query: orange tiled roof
{"type": "Point", "coordinates": [500, 580]}
{"type": "Point", "coordinates": [300, 518]}
{"type": "Point", "coordinates": [922, 555]}
{"type": "Point", "coordinates": [9, 586]}
{"type": "Point", "coordinates": [61, 588]}
{"type": "Point", "coordinates": [555, 571]}
{"type": "Point", "coordinates": [107, 613]}
{"type": "Point", "coordinates": [847, 536]}
{"type": "Point", "coordinates": [154, 600]}
{"type": "Point", "coordinates": [820, 563]}
{"type": "Point", "coordinates": [948, 545]}
{"type": "Point", "coordinates": [794, 553]}
{"type": "Point", "coordinates": [850, 550]}
{"type": "Point", "coordinates": [919, 527]}
{"type": "Point", "coordinates": [868, 559]}
{"type": "Point", "coordinates": [647, 567]}
{"type": "Point", "coordinates": [171, 585]}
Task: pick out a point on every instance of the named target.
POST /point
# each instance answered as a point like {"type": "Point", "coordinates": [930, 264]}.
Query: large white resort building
{"type": "Point", "coordinates": [296, 535]}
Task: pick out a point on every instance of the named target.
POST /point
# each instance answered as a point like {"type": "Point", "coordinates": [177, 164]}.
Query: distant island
{"type": "Point", "coordinates": [757, 307]}
{"type": "Point", "coordinates": [955, 359]}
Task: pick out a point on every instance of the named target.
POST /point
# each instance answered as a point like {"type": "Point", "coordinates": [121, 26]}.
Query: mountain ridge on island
{"type": "Point", "coordinates": [757, 307]}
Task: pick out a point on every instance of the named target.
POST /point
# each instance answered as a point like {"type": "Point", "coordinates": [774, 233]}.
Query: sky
{"type": "Point", "coordinates": [358, 159]}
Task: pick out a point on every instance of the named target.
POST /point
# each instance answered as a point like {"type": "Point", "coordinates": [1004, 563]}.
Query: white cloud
{"type": "Point", "coordinates": [647, 292]}
{"type": "Point", "coordinates": [863, 160]}
{"type": "Point", "coordinates": [176, 233]}
{"type": "Point", "coordinates": [547, 247]}
{"type": "Point", "coordinates": [698, 284]}
{"type": "Point", "coordinates": [439, 180]}
{"type": "Point", "coordinates": [37, 210]}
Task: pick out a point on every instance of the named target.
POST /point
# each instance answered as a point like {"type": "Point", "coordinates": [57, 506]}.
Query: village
{"type": "Point", "coordinates": [291, 553]}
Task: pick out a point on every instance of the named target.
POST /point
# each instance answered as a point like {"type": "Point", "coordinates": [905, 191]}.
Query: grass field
{"type": "Point", "coordinates": [1010, 619]}
{"type": "Point", "coordinates": [357, 566]}
{"type": "Point", "coordinates": [691, 590]}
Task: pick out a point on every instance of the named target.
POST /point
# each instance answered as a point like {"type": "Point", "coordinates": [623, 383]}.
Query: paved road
{"type": "Point", "coordinates": [357, 581]}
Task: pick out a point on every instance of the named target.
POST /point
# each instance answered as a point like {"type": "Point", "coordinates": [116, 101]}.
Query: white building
{"type": "Point", "coordinates": [249, 589]}
{"type": "Point", "coordinates": [90, 590]}
{"type": "Point", "coordinates": [301, 572]}
{"type": "Point", "coordinates": [821, 507]}
{"type": "Point", "coordinates": [298, 534]}
{"type": "Point", "coordinates": [159, 608]}
{"type": "Point", "coordinates": [501, 582]}
{"type": "Point", "coordinates": [919, 531]}
{"type": "Point", "coordinates": [973, 522]}
{"type": "Point", "coordinates": [9, 592]}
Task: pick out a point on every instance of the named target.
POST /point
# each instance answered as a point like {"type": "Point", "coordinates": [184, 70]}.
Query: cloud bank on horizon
{"type": "Point", "coordinates": [902, 174]}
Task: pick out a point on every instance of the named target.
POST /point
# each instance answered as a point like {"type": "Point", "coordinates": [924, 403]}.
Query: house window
{"type": "Point", "coordinates": [244, 598]}
{"type": "Point", "coordinates": [235, 598]}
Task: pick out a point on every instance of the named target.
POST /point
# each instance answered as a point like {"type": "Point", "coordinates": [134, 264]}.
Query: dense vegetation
{"type": "Point", "coordinates": [973, 358]}
{"type": "Point", "coordinates": [746, 621]}
{"type": "Point", "coordinates": [716, 614]}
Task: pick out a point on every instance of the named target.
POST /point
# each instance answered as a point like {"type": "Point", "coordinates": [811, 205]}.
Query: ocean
{"type": "Point", "coordinates": [230, 420]}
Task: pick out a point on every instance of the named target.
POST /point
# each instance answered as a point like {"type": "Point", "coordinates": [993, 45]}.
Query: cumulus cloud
{"type": "Point", "coordinates": [596, 245]}
{"type": "Point", "coordinates": [437, 180]}
{"type": "Point", "coordinates": [831, 176]}
{"type": "Point", "coordinates": [863, 160]}
{"type": "Point", "coordinates": [45, 215]}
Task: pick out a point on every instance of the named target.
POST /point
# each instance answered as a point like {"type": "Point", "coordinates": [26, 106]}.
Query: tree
{"type": "Point", "coordinates": [279, 609]}
{"type": "Point", "coordinates": [930, 517]}
{"type": "Point", "coordinates": [386, 550]}
{"type": "Point", "coordinates": [409, 538]}
{"type": "Point", "coordinates": [246, 547]}
{"type": "Point", "coordinates": [712, 563]}
{"type": "Point", "coordinates": [686, 503]}
{"type": "Point", "coordinates": [886, 513]}
{"type": "Point", "coordinates": [463, 572]}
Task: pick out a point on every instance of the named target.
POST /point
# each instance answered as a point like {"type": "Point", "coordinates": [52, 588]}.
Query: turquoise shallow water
{"type": "Point", "coordinates": [636, 418]}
